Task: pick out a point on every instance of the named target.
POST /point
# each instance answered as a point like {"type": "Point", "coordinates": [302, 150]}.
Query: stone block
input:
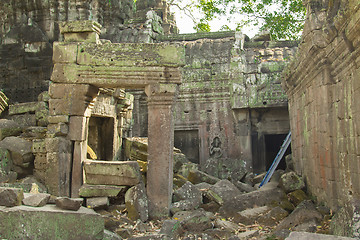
{"type": "Point", "coordinates": [41, 161]}
{"type": "Point", "coordinates": [78, 128]}
{"type": "Point", "coordinates": [58, 130]}
{"type": "Point", "coordinates": [58, 119]}
{"type": "Point", "coordinates": [69, 203]}
{"type": "Point", "coordinates": [36, 200]}
{"type": "Point", "coordinates": [38, 146]}
{"type": "Point", "coordinates": [97, 202]}
{"type": "Point", "coordinates": [50, 222]}
{"type": "Point", "coordinates": [188, 192]}
{"type": "Point", "coordinates": [136, 203]}
{"type": "Point", "coordinates": [112, 173]}
{"type": "Point", "coordinates": [225, 189]}
{"type": "Point", "coordinates": [101, 190]}
{"type": "Point", "coordinates": [249, 216]}
{"type": "Point", "coordinates": [171, 228]}
{"type": "Point", "coordinates": [64, 52]}
{"type": "Point", "coordinates": [24, 120]}
{"type": "Point", "coordinates": [306, 236]}
{"type": "Point", "coordinates": [291, 181]}
{"type": "Point", "coordinates": [20, 150]}
{"type": "Point", "coordinates": [21, 108]}
{"type": "Point", "coordinates": [9, 128]}
{"type": "Point", "coordinates": [68, 107]}
{"type": "Point", "coordinates": [11, 197]}
{"type": "Point", "coordinates": [72, 91]}
{"type": "Point", "coordinates": [196, 176]}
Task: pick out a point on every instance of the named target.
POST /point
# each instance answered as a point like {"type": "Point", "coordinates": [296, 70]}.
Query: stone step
{"type": "Point", "coordinates": [50, 222]}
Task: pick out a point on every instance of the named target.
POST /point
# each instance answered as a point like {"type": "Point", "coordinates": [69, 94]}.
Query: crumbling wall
{"type": "Point", "coordinates": [225, 75]}
{"type": "Point", "coordinates": [323, 87]}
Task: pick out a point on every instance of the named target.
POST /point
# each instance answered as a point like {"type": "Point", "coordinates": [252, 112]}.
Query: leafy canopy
{"type": "Point", "coordinates": [284, 19]}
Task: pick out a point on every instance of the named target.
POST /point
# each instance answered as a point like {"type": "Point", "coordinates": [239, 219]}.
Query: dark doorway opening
{"type": "Point", "coordinates": [101, 137]}
{"type": "Point", "coordinates": [273, 143]}
{"type": "Point", "coordinates": [188, 142]}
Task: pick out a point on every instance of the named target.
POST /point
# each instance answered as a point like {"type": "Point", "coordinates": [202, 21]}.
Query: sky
{"type": "Point", "coordinates": [186, 25]}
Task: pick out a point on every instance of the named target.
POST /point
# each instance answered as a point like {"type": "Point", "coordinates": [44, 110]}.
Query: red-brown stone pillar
{"type": "Point", "coordinates": [160, 149]}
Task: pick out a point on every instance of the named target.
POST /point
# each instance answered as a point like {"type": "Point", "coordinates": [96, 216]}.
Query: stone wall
{"type": "Point", "coordinates": [323, 87]}
{"type": "Point", "coordinates": [29, 27]}
{"type": "Point", "coordinates": [230, 99]}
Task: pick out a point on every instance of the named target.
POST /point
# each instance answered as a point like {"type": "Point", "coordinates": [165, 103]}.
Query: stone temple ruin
{"type": "Point", "coordinates": [99, 90]}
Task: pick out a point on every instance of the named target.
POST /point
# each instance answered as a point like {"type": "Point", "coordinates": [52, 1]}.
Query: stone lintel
{"type": "Point", "coordinates": [113, 76]}
{"type": "Point", "coordinates": [81, 31]}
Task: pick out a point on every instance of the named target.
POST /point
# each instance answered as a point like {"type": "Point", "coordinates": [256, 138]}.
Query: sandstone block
{"type": "Point", "coordinates": [69, 203]}
{"type": "Point", "coordinates": [196, 176]}
{"type": "Point", "coordinates": [36, 200]}
{"type": "Point", "coordinates": [50, 222]}
{"type": "Point", "coordinates": [291, 181]}
{"type": "Point", "coordinates": [306, 236]}
{"type": "Point", "coordinates": [188, 192]}
{"type": "Point", "coordinates": [11, 197]}
{"type": "Point", "coordinates": [22, 108]}
{"type": "Point", "coordinates": [20, 150]}
{"type": "Point", "coordinates": [249, 216]}
{"type": "Point", "coordinates": [225, 189]}
{"type": "Point", "coordinates": [97, 202]}
{"type": "Point", "coordinates": [77, 128]}
{"type": "Point", "coordinates": [9, 128]}
{"type": "Point", "coordinates": [137, 203]}
{"type": "Point", "coordinates": [198, 221]}
{"type": "Point", "coordinates": [171, 228]}
{"type": "Point", "coordinates": [58, 119]}
{"type": "Point", "coordinates": [87, 190]}
{"type": "Point", "coordinates": [24, 120]}
{"type": "Point", "coordinates": [112, 173]}
{"type": "Point", "coordinates": [58, 130]}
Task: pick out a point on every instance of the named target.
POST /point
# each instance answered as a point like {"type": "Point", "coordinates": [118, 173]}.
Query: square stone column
{"type": "Point", "coordinates": [160, 149]}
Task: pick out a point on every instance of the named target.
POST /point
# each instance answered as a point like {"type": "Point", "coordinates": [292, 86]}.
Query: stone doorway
{"type": "Point", "coordinates": [273, 143]}
{"type": "Point", "coordinates": [188, 142]}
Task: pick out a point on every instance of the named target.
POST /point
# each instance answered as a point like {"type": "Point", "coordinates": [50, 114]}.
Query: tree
{"type": "Point", "coordinates": [284, 19]}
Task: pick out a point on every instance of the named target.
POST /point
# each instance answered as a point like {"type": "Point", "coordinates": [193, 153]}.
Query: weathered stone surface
{"type": "Point", "coordinates": [291, 181]}
{"type": "Point", "coordinates": [197, 176]}
{"type": "Point", "coordinates": [97, 202]}
{"type": "Point", "coordinates": [151, 237]}
{"type": "Point", "coordinates": [36, 199]}
{"type": "Point", "coordinates": [189, 193]}
{"type": "Point", "coordinates": [111, 235]}
{"type": "Point", "coordinates": [11, 197]}
{"type": "Point", "coordinates": [226, 225]}
{"type": "Point", "coordinates": [69, 203]}
{"type": "Point", "coordinates": [9, 128]}
{"type": "Point", "coordinates": [274, 216]}
{"type": "Point", "coordinates": [244, 187]}
{"type": "Point", "coordinates": [6, 175]}
{"type": "Point", "coordinates": [136, 203]}
{"type": "Point", "coordinates": [297, 197]}
{"type": "Point", "coordinates": [249, 200]}
{"type": "Point", "coordinates": [197, 221]}
{"type": "Point", "coordinates": [21, 108]}
{"type": "Point", "coordinates": [345, 220]}
{"type": "Point", "coordinates": [49, 222]}
{"type": "Point", "coordinates": [171, 228]}
{"type": "Point", "coordinates": [112, 173]}
{"type": "Point", "coordinates": [87, 190]}
{"type": "Point", "coordinates": [306, 236]}
{"type": "Point", "coordinates": [20, 150]}
{"type": "Point", "coordinates": [249, 216]}
{"type": "Point", "coordinates": [225, 189]}
{"type": "Point", "coordinates": [304, 212]}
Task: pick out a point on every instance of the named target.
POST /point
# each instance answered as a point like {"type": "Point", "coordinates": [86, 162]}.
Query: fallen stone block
{"type": "Point", "coordinates": [151, 237]}
{"type": "Point", "coordinates": [304, 212]}
{"type": "Point", "coordinates": [189, 193]}
{"type": "Point", "coordinates": [87, 190]}
{"type": "Point", "coordinates": [217, 233]}
{"type": "Point", "coordinates": [50, 222]}
{"type": "Point", "coordinates": [297, 196]}
{"type": "Point", "coordinates": [111, 235]}
{"type": "Point", "coordinates": [9, 128]}
{"type": "Point", "coordinates": [226, 225]}
{"type": "Point", "coordinates": [244, 187]}
{"type": "Point", "coordinates": [11, 197]}
{"type": "Point", "coordinates": [124, 232]}
{"type": "Point", "coordinates": [291, 181]}
{"type": "Point", "coordinates": [20, 150]}
{"type": "Point", "coordinates": [137, 203]}
{"type": "Point", "coordinates": [36, 200]}
{"type": "Point", "coordinates": [97, 202]}
{"type": "Point", "coordinates": [117, 173]}
{"type": "Point", "coordinates": [6, 175]}
{"type": "Point", "coordinates": [249, 216]}
{"type": "Point", "coordinates": [271, 218]}
{"type": "Point", "coordinates": [225, 189]}
{"type": "Point", "coordinates": [69, 203]}
{"type": "Point", "coordinates": [261, 197]}
{"type": "Point", "coordinates": [307, 236]}
{"type": "Point", "coordinates": [171, 228]}
{"type": "Point", "coordinates": [198, 221]}
{"type": "Point", "coordinates": [197, 176]}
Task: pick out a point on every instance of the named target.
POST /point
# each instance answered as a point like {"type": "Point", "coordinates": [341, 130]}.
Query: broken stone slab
{"type": "Point", "coordinates": [10, 197]}
{"type": "Point", "coordinates": [36, 200]}
{"type": "Point", "coordinates": [258, 198]}
{"type": "Point", "coordinates": [218, 233]}
{"type": "Point", "coordinates": [274, 216]}
{"type": "Point", "coordinates": [186, 168]}
{"type": "Point", "coordinates": [249, 216]}
{"type": "Point", "coordinates": [244, 187]}
{"type": "Point", "coordinates": [97, 202]}
{"type": "Point", "coordinates": [69, 203]}
{"type": "Point", "coordinates": [297, 196]}
{"type": "Point", "coordinates": [226, 225]}
{"type": "Point", "coordinates": [9, 128]}
{"type": "Point", "coordinates": [124, 232]}
{"type": "Point", "coordinates": [171, 228]}
{"type": "Point", "coordinates": [248, 234]}
{"type": "Point", "coordinates": [198, 221]}
{"type": "Point", "coordinates": [189, 193]}
{"type": "Point", "coordinates": [117, 173]}
{"type": "Point", "coordinates": [184, 205]}
{"type": "Point", "coordinates": [136, 203]}
{"type": "Point", "coordinates": [151, 237]}
{"type": "Point", "coordinates": [197, 176]}
{"type": "Point", "coordinates": [20, 150]}
{"type": "Point", "coordinates": [21, 108]}
{"type": "Point", "coordinates": [306, 236]}
{"type": "Point", "coordinates": [111, 235]}
{"type": "Point", "coordinates": [225, 189]}
{"type": "Point", "coordinates": [87, 190]}
{"type": "Point", "coordinates": [304, 212]}
{"type": "Point", "coordinates": [50, 222]}
{"type": "Point", "coordinates": [291, 181]}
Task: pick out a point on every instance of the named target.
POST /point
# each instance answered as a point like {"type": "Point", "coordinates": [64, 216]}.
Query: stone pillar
{"type": "Point", "coordinates": [160, 149]}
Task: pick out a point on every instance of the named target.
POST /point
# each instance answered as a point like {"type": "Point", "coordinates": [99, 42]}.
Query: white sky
{"type": "Point", "coordinates": [185, 24]}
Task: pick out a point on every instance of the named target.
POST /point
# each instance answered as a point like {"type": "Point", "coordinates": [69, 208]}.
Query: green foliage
{"type": "Point", "coordinates": [284, 19]}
